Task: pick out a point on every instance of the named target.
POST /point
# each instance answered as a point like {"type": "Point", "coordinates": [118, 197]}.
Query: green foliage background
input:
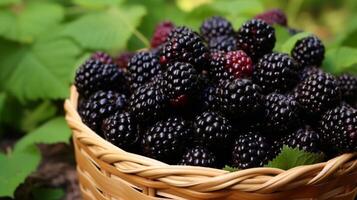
{"type": "Point", "coordinates": [43, 41]}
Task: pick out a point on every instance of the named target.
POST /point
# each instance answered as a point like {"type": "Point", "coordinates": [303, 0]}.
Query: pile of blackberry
{"type": "Point", "coordinates": [220, 96]}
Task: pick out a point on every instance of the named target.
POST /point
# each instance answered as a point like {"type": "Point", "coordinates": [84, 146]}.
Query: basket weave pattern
{"type": "Point", "coordinates": [107, 172]}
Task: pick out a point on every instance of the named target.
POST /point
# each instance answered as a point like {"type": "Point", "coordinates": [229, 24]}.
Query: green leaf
{"type": "Point", "coordinates": [33, 117]}
{"type": "Point", "coordinates": [2, 105]}
{"type": "Point", "coordinates": [97, 3]}
{"type": "Point", "coordinates": [245, 7]}
{"type": "Point", "coordinates": [282, 35]}
{"type": "Point", "coordinates": [15, 167]}
{"type": "Point", "coordinates": [8, 2]}
{"type": "Point", "coordinates": [107, 30]}
{"type": "Point", "coordinates": [26, 21]}
{"type": "Point", "coordinates": [230, 169]}
{"type": "Point", "coordinates": [293, 157]}
{"type": "Point", "coordinates": [341, 59]}
{"type": "Point", "coordinates": [39, 71]}
{"type": "Point", "coordinates": [48, 193]}
{"type": "Point", "coordinates": [288, 45]}
{"type": "Point", "coordinates": [53, 131]}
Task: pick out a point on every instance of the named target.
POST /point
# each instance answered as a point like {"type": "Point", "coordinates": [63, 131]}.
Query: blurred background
{"type": "Point", "coordinates": [42, 42]}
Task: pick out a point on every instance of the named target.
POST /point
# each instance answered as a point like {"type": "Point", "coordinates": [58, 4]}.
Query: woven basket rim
{"type": "Point", "coordinates": [322, 172]}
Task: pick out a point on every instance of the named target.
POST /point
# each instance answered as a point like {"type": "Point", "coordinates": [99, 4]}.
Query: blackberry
{"type": "Point", "coordinates": [94, 75]}
{"type": "Point", "coordinates": [216, 26]}
{"type": "Point", "coordinates": [318, 93]}
{"type": "Point", "coordinates": [102, 57]}
{"type": "Point", "coordinates": [212, 129]}
{"type": "Point", "coordinates": [308, 71]}
{"type": "Point", "coordinates": [161, 33]}
{"type": "Point", "coordinates": [256, 38]}
{"type": "Point", "coordinates": [121, 130]}
{"type": "Point", "coordinates": [166, 140]}
{"type": "Point", "coordinates": [239, 64]}
{"type": "Point", "coordinates": [123, 59]}
{"type": "Point", "coordinates": [223, 43]}
{"type": "Point", "coordinates": [147, 103]}
{"type": "Point", "coordinates": [250, 149]}
{"type": "Point", "coordinates": [209, 98]}
{"type": "Point", "coordinates": [305, 139]}
{"type": "Point", "coordinates": [218, 70]}
{"type": "Point", "coordinates": [308, 51]}
{"type": "Point", "coordinates": [276, 72]}
{"type": "Point", "coordinates": [184, 45]}
{"type": "Point", "coordinates": [240, 98]}
{"type": "Point", "coordinates": [180, 81]}
{"type": "Point", "coordinates": [348, 86]}
{"type": "Point", "coordinates": [338, 129]}
{"type": "Point", "coordinates": [281, 113]}
{"type": "Point", "coordinates": [198, 156]}
{"type": "Point", "coordinates": [142, 67]}
{"type": "Point", "coordinates": [101, 105]}
{"type": "Point", "coordinates": [273, 16]}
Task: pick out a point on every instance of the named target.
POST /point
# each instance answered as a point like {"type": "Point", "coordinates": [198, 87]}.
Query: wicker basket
{"type": "Point", "coordinates": [107, 172]}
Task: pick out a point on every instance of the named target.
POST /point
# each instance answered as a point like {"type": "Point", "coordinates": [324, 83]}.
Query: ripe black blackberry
{"type": "Point", "coordinates": [102, 57]}
{"type": "Point", "coordinates": [338, 129]}
{"type": "Point", "coordinates": [250, 149]}
{"type": "Point", "coordinates": [273, 16]}
{"type": "Point", "coordinates": [101, 105]}
{"type": "Point", "coordinates": [256, 38]}
{"type": "Point", "coordinates": [348, 86]}
{"type": "Point", "coordinates": [240, 98]}
{"type": "Point", "coordinates": [94, 75]}
{"type": "Point", "coordinates": [223, 43]}
{"type": "Point", "coordinates": [216, 26]}
{"type": "Point", "coordinates": [212, 129]}
{"type": "Point", "coordinates": [121, 130]}
{"type": "Point", "coordinates": [276, 72]}
{"type": "Point", "coordinates": [308, 71]}
{"type": "Point", "coordinates": [305, 139]}
{"type": "Point", "coordinates": [217, 68]}
{"type": "Point", "coordinates": [198, 156]}
{"type": "Point", "coordinates": [309, 51]}
{"type": "Point", "coordinates": [147, 103]}
{"type": "Point", "coordinates": [142, 67]}
{"type": "Point", "coordinates": [180, 81]}
{"type": "Point", "coordinates": [209, 99]}
{"type": "Point", "coordinates": [161, 33]}
{"type": "Point", "coordinates": [184, 45]}
{"type": "Point", "coordinates": [318, 93]}
{"type": "Point", "coordinates": [281, 113]}
{"type": "Point", "coordinates": [166, 140]}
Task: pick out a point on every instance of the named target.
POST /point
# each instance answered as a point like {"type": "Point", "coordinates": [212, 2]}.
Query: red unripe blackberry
{"type": "Point", "coordinates": [239, 64]}
{"type": "Point", "coordinates": [123, 59]}
{"type": "Point", "coordinates": [276, 72]}
{"type": "Point", "coordinates": [256, 38]}
{"type": "Point", "coordinates": [216, 26]}
{"type": "Point", "coordinates": [338, 129]}
{"type": "Point", "coordinates": [198, 156]}
{"type": "Point", "coordinates": [309, 51]}
{"type": "Point", "coordinates": [273, 16]}
{"type": "Point", "coordinates": [102, 57]}
{"type": "Point", "coordinates": [161, 33]}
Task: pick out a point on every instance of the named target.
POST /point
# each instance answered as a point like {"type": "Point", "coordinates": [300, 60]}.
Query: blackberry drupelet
{"type": "Point", "coordinates": [308, 71]}
{"type": "Point", "coordinates": [276, 72]}
{"type": "Point", "coordinates": [101, 105]}
{"type": "Point", "coordinates": [281, 113]}
{"type": "Point", "coordinates": [102, 57]}
{"type": "Point", "coordinates": [216, 26]}
{"type": "Point", "coordinates": [198, 156]}
{"type": "Point", "coordinates": [348, 86]}
{"type": "Point", "coordinates": [240, 98]}
{"type": "Point", "coordinates": [123, 59]}
{"type": "Point", "coordinates": [180, 81]}
{"type": "Point", "coordinates": [147, 103]}
{"type": "Point", "coordinates": [121, 130]}
{"type": "Point", "coordinates": [309, 51]}
{"type": "Point", "coordinates": [161, 33]}
{"type": "Point", "coordinates": [223, 43]}
{"type": "Point", "coordinates": [239, 64]}
{"type": "Point", "coordinates": [212, 129]}
{"type": "Point", "coordinates": [273, 16]}
{"type": "Point", "coordinates": [318, 93]}
{"type": "Point", "coordinates": [250, 149]}
{"type": "Point", "coordinates": [142, 67]}
{"type": "Point", "coordinates": [256, 38]}
{"type": "Point", "coordinates": [166, 140]}
{"type": "Point", "coordinates": [94, 75]}
{"type": "Point", "coordinates": [184, 45]}
{"type": "Point", "coordinates": [338, 129]}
